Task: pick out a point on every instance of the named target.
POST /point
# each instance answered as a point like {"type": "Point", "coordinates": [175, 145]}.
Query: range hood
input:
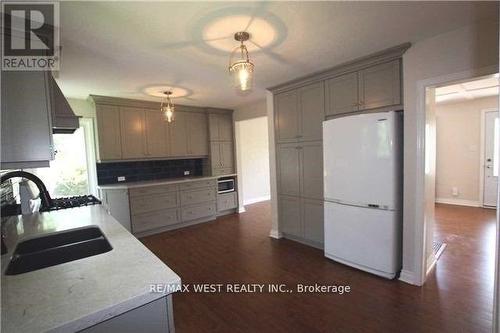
{"type": "Point", "coordinates": [64, 119]}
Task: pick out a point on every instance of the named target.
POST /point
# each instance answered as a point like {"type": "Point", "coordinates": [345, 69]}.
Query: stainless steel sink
{"type": "Point", "coordinates": [57, 248]}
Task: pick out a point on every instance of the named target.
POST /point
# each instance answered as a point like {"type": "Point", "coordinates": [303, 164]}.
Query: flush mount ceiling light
{"type": "Point", "coordinates": [167, 107]}
{"type": "Point", "coordinates": [242, 69]}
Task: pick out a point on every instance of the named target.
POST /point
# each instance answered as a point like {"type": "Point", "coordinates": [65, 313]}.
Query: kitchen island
{"type": "Point", "coordinates": [106, 292]}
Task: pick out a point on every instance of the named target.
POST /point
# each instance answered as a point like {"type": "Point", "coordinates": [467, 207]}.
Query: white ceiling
{"type": "Point", "coordinates": [124, 48]}
{"type": "Point", "coordinates": [468, 90]}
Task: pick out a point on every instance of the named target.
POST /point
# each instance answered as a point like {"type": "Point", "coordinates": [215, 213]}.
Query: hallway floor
{"type": "Point", "coordinates": [458, 296]}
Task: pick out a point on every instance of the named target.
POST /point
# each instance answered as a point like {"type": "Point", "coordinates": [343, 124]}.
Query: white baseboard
{"type": "Point", "coordinates": [459, 202]}
{"type": "Point", "coordinates": [255, 200]}
{"type": "Point", "coordinates": [408, 277]}
{"type": "Point", "coordinates": [241, 209]}
{"type": "Point", "coordinates": [431, 262]}
{"type": "Point", "coordinates": [275, 234]}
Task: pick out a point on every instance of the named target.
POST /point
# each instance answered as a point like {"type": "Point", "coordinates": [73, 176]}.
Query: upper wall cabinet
{"type": "Point", "coordinates": [380, 86]}
{"type": "Point", "coordinates": [370, 88]}
{"type": "Point", "coordinates": [26, 120]}
{"type": "Point", "coordinates": [221, 127]}
{"type": "Point", "coordinates": [137, 130]}
{"type": "Point", "coordinates": [300, 113]}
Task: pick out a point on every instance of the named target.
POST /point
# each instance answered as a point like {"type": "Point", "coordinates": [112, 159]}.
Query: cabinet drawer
{"type": "Point", "coordinates": [198, 184]}
{"type": "Point", "coordinates": [148, 221]}
{"type": "Point", "coordinates": [222, 171]}
{"type": "Point", "coordinates": [150, 190]}
{"type": "Point", "coordinates": [150, 203]}
{"type": "Point", "coordinates": [197, 196]}
{"type": "Point", "coordinates": [226, 201]}
{"type": "Point", "coordinates": [198, 212]}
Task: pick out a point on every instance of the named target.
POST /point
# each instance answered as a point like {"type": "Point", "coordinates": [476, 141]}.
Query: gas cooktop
{"type": "Point", "coordinates": [71, 202]}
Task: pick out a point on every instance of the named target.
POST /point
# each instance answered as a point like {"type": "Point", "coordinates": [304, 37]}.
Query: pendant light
{"type": "Point", "coordinates": [167, 107]}
{"type": "Point", "coordinates": [242, 69]}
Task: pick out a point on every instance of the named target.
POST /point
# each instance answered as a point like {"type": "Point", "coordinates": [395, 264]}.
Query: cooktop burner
{"type": "Point", "coordinates": [76, 201]}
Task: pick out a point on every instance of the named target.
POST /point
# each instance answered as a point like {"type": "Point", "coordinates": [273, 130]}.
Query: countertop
{"type": "Point", "coordinates": [78, 294]}
{"type": "Point", "coordinates": [126, 185]}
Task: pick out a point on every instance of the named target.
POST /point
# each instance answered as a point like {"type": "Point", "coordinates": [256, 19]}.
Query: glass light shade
{"type": "Point", "coordinates": [168, 112]}
{"type": "Point", "coordinates": [242, 72]}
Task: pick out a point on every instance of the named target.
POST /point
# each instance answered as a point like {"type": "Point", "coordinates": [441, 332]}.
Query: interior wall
{"type": "Point", "coordinates": [458, 150]}
{"type": "Point", "coordinates": [469, 51]}
{"type": "Point", "coordinates": [252, 152]}
{"type": "Point", "coordinates": [82, 107]}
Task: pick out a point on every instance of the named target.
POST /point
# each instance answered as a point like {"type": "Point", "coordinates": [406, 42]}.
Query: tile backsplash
{"type": "Point", "coordinates": [108, 173]}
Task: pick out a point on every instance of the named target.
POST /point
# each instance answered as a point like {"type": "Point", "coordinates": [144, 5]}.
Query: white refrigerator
{"type": "Point", "coordinates": [362, 163]}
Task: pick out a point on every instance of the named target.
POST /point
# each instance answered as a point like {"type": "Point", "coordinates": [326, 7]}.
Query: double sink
{"type": "Point", "coordinates": [57, 248]}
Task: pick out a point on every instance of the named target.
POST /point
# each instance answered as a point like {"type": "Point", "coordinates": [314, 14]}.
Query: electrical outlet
{"type": "Point", "coordinates": [454, 191]}
{"type": "Point", "coordinates": [186, 172]}
{"type": "Point", "coordinates": [121, 178]}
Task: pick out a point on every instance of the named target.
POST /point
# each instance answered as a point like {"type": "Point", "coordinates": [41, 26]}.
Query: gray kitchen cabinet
{"type": "Point", "coordinates": [312, 111]}
{"type": "Point", "coordinates": [178, 135]}
{"type": "Point", "coordinates": [287, 117]}
{"type": "Point", "coordinates": [290, 217]}
{"type": "Point", "coordinates": [311, 163]}
{"type": "Point", "coordinates": [132, 132]}
{"type": "Point", "coordinates": [380, 85]}
{"type": "Point", "coordinates": [108, 132]}
{"type": "Point", "coordinates": [153, 220]}
{"type": "Point", "coordinates": [342, 94]}
{"type": "Point", "coordinates": [197, 131]}
{"type": "Point", "coordinates": [222, 157]}
{"type": "Point", "coordinates": [221, 127]}
{"type": "Point", "coordinates": [153, 317]}
{"type": "Point", "coordinates": [227, 201]}
{"type": "Point", "coordinates": [26, 120]}
{"type": "Point", "coordinates": [116, 202]}
{"type": "Point", "coordinates": [156, 135]}
{"type": "Point", "coordinates": [204, 210]}
{"type": "Point", "coordinates": [312, 220]}
{"type": "Point", "coordinates": [288, 161]}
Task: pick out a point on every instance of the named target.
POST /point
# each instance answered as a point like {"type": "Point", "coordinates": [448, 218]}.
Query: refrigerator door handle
{"type": "Point", "coordinates": [360, 204]}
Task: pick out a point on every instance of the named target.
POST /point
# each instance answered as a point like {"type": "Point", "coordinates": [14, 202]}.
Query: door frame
{"type": "Point", "coordinates": [481, 156]}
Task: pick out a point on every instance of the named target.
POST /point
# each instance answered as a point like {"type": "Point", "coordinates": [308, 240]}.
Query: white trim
{"type": "Point", "coordinates": [275, 234]}
{"type": "Point", "coordinates": [458, 202]}
{"type": "Point", "coordinates": [272, 162]}
{"type": "Point", "coordinates": [432, 259]}
{"type": "Point", "coordinates": [408, 277]}
{"type": "Point", "coordinates": [481, 154]}
{"type": "Point", "coordinates": [241, 209]}
{"type": "Point", "coordinates": [87, 125]}
{"type": "Point", "coordinates": [420, 225]}
{"type": "Point", "coordinates": [255, 200]}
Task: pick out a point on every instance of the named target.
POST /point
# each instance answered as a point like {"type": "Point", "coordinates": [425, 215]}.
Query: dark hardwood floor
{"type": "Point", "coordinates": [237, 249]}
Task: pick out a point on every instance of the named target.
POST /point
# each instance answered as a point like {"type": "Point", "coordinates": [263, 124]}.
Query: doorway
{"type": "Point", "coordinates": [461, 182]}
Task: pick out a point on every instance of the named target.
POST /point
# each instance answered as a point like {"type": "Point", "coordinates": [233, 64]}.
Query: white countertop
{"type": "Point", "coordinates": [159, 182]}
{"type": "Point", "coordinates": [78, 294]}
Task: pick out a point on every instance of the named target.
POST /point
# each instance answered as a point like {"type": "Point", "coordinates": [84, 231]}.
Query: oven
{"type": "Point", "coordinates": [225, 185]}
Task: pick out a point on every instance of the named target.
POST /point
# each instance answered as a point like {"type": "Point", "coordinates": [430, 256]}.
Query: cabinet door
{"type": "Point", "coordinates": [215, 156]}
{"type": "Point", "coordinates": [312, 111]}
{"type": "Point", "coordinates": [380, 86]}
{"type": "Point", "coordinates": [226, 153]}
{"type": "Point", "coordinates": [290, 217]}
{"type": "Point", "coordinates": [312, 170]}
{"type": "Point", "coordinates": [198, 134]}
{"type": "Point", "coordinates": [156, 143]}
{"type": "Point", "coordinates": [225, 124]}
{"type": "Point", "coordinates": [289, 169]}
{"type": "Point", "coordinates": [108, 132]}
{"type": "Point", "coordinates": [178, 135]}
{"type": "Point", "coordinates": [342, 94]}
{"type": "Point", "coordinates": [26, 126]}
{"type": "Point", "coordinates": [213, 127]}
{"type": "Point", "coordinates": [287, 117]}
{"type": "Point", "coordinates": [312, 220]}
{"type": "Point", "coordinates": [133, 133]}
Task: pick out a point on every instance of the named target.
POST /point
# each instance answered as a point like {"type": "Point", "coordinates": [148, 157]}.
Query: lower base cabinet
{"type": "Point", "coordinates": [154, 317]}
{"type": "Point", "coordinates": [302, 219]}
{"type": "Point", "coordinates": [227, 201]}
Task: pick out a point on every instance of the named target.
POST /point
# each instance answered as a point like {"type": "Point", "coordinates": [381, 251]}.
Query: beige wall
{"type": "Point", "coordinates": [466, 52]}
{"type": "Point", "coordinates": [252, 152]}
{"type": "Point", "coordinates": [458, 149]}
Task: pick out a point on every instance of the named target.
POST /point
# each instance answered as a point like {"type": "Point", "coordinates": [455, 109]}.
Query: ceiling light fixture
{"type": "Point", "coordinates": [167, 107]}
{"type": "Point", "coordinates": [242, 69]}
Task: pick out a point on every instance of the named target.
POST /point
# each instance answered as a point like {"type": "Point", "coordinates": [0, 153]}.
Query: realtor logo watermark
{"type": "Point", "coordinates": [30, 36]}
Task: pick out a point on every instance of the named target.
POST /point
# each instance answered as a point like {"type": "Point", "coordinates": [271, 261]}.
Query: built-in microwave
{"type": "Point", "coordinates": [225, 185]}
